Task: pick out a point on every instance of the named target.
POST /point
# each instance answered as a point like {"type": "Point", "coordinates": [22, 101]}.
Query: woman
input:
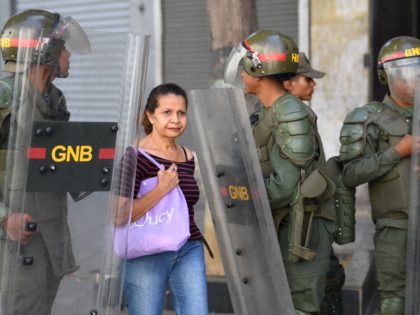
{"type": "Point", "coordinates": [183, 271]}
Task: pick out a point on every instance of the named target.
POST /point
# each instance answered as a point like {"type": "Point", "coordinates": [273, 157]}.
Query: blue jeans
{"type": "Point", "coordinates": [184, 271]}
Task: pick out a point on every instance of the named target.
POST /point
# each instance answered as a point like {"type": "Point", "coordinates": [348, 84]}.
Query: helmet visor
{"type": "Point", "coordinates": [76, 39]}
{"type": "Point", "coordinates": [402, 77]}
{"type": "Point", "coordinates": [233, 62]}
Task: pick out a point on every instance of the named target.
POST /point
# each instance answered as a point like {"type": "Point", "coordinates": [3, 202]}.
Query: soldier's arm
{"type": "Point", "coordinates": [363, 161]}
{"type": "Point", "coordinates": [5, 105]}
{"type": "Point", "coordinates": [282, 185]}
{"type": "Point", "coordinates": [14, 223]}
{"type": "Point", "coordinates": [295, 149]}
{"type": "Point", "coordinates": [295, 134]}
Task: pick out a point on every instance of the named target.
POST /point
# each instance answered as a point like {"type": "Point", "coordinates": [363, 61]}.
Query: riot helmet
{"type": "Point", "coordinates": [263, 53]}
{"type": "Point", "coordinates": [399, 66]}
{"type": "Point", "coordinates": [46, 34]}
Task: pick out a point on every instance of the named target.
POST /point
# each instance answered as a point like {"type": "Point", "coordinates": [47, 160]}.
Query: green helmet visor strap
{"type": "Point", "coordinates": [233, 62]}
{"type": "Point", "coordinates": [402, 76]}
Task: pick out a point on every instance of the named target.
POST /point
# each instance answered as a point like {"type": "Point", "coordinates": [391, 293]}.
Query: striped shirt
{"type": "Point", "coordinates": [146, 169]}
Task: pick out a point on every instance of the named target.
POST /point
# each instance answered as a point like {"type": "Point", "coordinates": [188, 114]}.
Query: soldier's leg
{"type": "Point", "coordinates": [390, 257]}
{"type": "Point", "coordinates": [332, 303]}
{"type": "Point", "coordinates": [32, 284]}
{"type": "Point", "coordinates": [4, 275]}
{"type": "Point", "coordinates": [306, 279]}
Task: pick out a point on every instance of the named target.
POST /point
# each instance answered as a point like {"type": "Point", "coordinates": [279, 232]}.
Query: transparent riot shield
{"type": "Point", "coordinates": [238, 202]}
{"type": "Point", "coordinates": [61, 181]}
{"type": "Point", "coordinates": [412, 302]}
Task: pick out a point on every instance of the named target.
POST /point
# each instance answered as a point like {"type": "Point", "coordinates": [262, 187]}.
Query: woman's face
{"type": "Point", "coordinates": [169, 119]}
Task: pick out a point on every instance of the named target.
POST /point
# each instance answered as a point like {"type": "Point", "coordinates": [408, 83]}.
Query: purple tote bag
{"type": "Point", "coordinates": [165, 227]}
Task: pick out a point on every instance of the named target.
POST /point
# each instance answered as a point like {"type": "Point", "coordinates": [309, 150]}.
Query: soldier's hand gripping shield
{"type": "Point", "coordinates": [238, 202]}
{"type": "Point", "coordinates": [67, 140]}
{"type": "Point", "coordinates": [412, 302]}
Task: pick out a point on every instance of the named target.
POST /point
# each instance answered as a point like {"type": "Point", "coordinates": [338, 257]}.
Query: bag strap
{"type": "Point", "coordinates": [160, 166]}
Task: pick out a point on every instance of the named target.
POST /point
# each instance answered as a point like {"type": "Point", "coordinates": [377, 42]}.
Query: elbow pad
{"type": "Point", "coordinates": [295, 134]}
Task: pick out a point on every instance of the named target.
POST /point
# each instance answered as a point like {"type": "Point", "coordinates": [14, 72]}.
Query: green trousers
{"type": "Point", "coordinates": [27, 289]}
{"type": "Point", "coordinates": [390, 257]}
{"type": "Point", "coordinates": [307, 279]}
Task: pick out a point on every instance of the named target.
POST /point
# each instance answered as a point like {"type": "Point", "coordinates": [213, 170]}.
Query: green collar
{"type": "Point", "coordinates": [405, 111]}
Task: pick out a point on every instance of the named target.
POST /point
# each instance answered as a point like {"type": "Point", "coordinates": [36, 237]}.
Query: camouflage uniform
{"type": "Point", "coordinates": [372, 158]}
{"type": "Point", "coordinates": [31, 273]}
{"type": "Point", "coordinates": [288, 155]}
{"type": "Point", "coordinates": [36, 283]}
{"type": "Point", "coordinates": [376, 145]}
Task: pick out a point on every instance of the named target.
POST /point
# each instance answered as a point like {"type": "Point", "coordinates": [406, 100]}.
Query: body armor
{"type": "Point", "coordinates": [389, 193]}
{"type": "Point", "coordinates": [286, 134]}
{"type": "Point", "coordinates": [295, 134]}
{"type": "Point", "coordinates": [344, 203]}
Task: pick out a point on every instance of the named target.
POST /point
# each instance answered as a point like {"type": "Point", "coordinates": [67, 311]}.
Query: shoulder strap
{"type": "Point", "coordinates": [160, 166]}
{"type": "Point", "coordinates": [185, 154]}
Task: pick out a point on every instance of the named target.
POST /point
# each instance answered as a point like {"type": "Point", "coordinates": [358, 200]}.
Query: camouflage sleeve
{"type": "Point", "coordinates": [370, 163]}
{"type": "Point", "coordinates": [282, 185]}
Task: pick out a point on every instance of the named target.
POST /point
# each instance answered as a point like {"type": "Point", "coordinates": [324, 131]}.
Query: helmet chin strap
{"type": "Point", "coordinates": [57, 71]}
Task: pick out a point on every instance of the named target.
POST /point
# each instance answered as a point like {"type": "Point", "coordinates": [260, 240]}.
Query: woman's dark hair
{"type": "Point", "coordinates": [152, 101]}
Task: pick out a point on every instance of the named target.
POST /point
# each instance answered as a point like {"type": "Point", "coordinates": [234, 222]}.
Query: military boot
{"type": "Point", "coordinates": [332, 304]}
{"type": "Point", "coordinates": [391, 306]}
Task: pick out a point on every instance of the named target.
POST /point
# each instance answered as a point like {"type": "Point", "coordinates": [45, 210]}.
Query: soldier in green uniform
{"type": "Point", "coordinates": [35, 242]}
{"type": "Point", "coordinates": [376, 147]}
{"type": "Point", "coordinates": [302, 85]}
{"type": "Point", "coordinates": [292, 161]}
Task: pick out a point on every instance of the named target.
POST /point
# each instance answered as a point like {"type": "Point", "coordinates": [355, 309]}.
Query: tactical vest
{"type": "Point", "coordinates": [265, 139]}
{"type": "Point", "coordinates": [389, 195]}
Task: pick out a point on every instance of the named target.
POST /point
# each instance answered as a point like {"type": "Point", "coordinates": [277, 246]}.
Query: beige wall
{"type": "Point", "coordinates": [339, 40]}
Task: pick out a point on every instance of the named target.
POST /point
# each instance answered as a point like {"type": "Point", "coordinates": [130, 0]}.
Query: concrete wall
{"type": "Point", "coordinates": [339, 40]}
